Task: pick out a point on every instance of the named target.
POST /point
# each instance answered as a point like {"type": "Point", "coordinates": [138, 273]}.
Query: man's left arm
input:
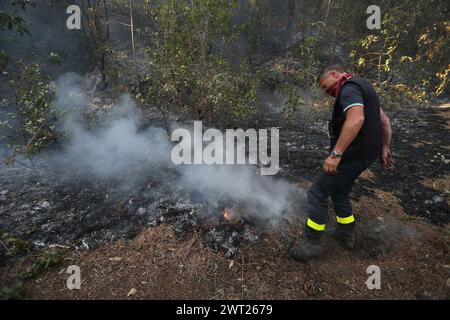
{"type": "Point", "coordinates": [354, 119]}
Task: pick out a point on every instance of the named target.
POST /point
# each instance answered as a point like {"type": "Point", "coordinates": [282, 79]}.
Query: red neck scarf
{"type": "Point", "coordinates": [334, 90]}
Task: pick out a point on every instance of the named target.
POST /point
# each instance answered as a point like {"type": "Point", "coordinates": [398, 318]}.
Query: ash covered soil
{"type": "Point", "coordinates": [152, 236]}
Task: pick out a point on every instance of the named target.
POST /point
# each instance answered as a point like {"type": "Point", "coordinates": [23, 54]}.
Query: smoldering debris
{"type": "Point", "coordinates": [223, 239]}
{"type": "Point", "coordinates": [227, 238]}
{"type": "Point", "coordinates": [107, 182]}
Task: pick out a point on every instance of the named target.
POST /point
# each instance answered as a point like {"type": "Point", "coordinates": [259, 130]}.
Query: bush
{"type": "Point", "coordinates": [33, 116]}
{"type": "Point", "coordinates": [186, 73]}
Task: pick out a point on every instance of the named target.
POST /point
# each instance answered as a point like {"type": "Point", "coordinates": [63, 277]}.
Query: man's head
{"type": "Point", "coordinates": [330, 77]}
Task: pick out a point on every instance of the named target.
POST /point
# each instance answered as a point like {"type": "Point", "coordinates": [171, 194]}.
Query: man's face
{"type": "Point", "coordinates": [328, 81]}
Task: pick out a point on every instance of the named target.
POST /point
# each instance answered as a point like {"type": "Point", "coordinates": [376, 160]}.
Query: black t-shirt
{"type": "Point", "coordinates": [367, 144]}
{"type": "Point", "coordinates": [350, 96]}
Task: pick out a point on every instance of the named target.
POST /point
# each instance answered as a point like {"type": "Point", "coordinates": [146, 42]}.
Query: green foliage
{"type": "Point", "coordinates": [412, 47]}
{"type": "Point", "coordinates": [292, 104]}
{"type": "Point", "coordinates": [223, 96]}
{"type": "Point", "coordinates": [259, 21]}
{"type": "Point", "coordinates": [374, 54]}
{"type": "Point", "coordinates": [96, 29]}
{"type": "Point", "coordinates": [54, 58]}
{"type": "Point", "coordinates": [3, 58]}
{"type": "Point", "coordinates": [14, 245]}
{"type": "Point", "coordinates": [205, 57]}
{"type": "Point", "coordinates": [186, 70]}
{"type": "Point", "coordinates": [399, 95]}
{"type": "Point", "coordinates": [443, 80]}
{"type": "Point", "coordinates": [446, 233]}
{"type": "Point", "coordinates": [297, 69]}
{"type": "Point", "coordinates": [33, 113]}
{"type": "Point", "coordinates": [41, 263]}
{"type": "Point", "coordinates": [12, 21]}
{"type": "Point", "coordinates": [283, 71]}
{"type": "Point", "coordinates": [14, 292]}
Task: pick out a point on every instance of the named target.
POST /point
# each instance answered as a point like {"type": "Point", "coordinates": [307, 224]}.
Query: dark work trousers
{"type": "Point", "coordinates": [337, 186]}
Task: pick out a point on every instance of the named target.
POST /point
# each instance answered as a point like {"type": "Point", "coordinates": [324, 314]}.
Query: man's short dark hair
{"type": "Point", "coordinates": [334, 67]}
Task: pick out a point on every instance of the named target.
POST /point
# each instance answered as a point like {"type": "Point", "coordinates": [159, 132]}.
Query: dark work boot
{"type": "Point", "coordinates": [345, 236]}
{"type": "Point", "coordinates": [307, 249]}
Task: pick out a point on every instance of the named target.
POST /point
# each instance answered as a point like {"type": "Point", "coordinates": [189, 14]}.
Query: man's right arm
{"type": "Point", "coordinates": [386, 156]}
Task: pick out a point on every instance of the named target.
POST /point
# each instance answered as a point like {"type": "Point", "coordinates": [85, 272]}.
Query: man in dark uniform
{"type": "Point", "coordinates": [360, 133]}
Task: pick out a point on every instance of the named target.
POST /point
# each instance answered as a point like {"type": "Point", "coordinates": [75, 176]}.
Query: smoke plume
{"type": "Point", "coordinates": [120, 143]}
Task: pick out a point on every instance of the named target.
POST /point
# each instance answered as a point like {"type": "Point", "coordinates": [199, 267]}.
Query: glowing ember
{"type": "Point", "coordinates": [227, 214]}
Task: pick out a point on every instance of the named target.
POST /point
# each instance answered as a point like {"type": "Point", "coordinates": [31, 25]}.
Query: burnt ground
{"type": "Point", "coordinates": [135, 238]}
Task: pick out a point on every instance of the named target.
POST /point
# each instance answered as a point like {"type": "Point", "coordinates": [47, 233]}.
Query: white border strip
{"type": "Point", "coordinates": [352, 105]}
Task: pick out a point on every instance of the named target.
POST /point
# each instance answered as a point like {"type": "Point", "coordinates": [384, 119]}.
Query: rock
{"type": "Point", "coordinates": [115, 259]}
{"type": "Point", "coordinates": [84, 244]}
{"type": "Point", "coordinates": [141, 211]}
{"type": "Point", "coordinates": [249, 235]}
{"type": "Point", "coordinates": [223, 239]}
{"type": "Point", "coordinates": [43, 205]}
{"type": "Point", "coordinates": [376, 237]}
{"type": "Point", "coordinates": [132, 292]}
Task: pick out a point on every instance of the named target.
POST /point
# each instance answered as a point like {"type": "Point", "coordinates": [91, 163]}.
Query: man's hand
{"type": "Point", "coordinates": [386, 160]}
{"type": "Point", "coordinates": [330, 165]}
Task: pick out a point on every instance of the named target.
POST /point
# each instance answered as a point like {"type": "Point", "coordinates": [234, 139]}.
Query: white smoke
{"type": "Point", "coordinates": [118, 145]}
{"type": "Point", "coordinates": [263, 196]}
